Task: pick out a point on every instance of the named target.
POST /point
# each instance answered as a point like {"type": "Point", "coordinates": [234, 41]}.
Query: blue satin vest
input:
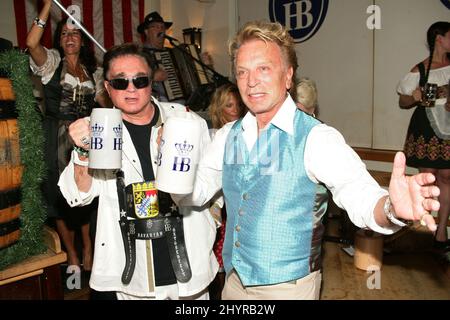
{"type": "Point", "coordinates": [274, 210]}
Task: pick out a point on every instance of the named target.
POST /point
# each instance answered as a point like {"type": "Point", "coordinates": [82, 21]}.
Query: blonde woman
{"type": "Point", "coordinates": [226, 106]}
{"type": "Point", "coordinates": [307, 96]}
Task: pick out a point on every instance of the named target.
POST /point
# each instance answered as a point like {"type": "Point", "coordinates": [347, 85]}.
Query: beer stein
{"type": "Point", "coordinates": [429, 94]}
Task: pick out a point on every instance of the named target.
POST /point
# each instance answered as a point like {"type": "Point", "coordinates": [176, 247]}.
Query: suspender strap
{"type": "Point", "coordinates": [128, 238]}
{"type": "Point", "coordinates": [177, 249]}
{"type": "Point", "coordinates": [423, 79]}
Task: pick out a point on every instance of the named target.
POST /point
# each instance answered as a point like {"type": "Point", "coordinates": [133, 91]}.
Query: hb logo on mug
{"type": "Point", "coordinates": [118, 138]}
{"type": "Point", "coordinates": [179, 153]}
{"type": "Point", "coordinates": [183, 162]}
{"type": "Point", "coordinates": [96, 139]}
{"type": "Point", "coordinates": [106, 139]}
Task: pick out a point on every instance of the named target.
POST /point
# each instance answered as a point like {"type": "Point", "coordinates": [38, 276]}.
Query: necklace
{"type": "Point", "coordinates": [78, 73]}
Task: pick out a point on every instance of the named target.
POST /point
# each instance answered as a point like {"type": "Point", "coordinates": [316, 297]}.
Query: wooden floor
{"type": "Point", "coordinates": [411, 270]}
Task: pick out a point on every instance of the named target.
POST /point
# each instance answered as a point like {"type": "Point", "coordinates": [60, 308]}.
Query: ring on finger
{"type": "Point", "coordinates": [422, 221]}
{"type": "Point", "coordinates": [85, 140]}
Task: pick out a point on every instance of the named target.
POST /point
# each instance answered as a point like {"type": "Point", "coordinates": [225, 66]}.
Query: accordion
{"type": "Point", "coordinates": [187, 79]}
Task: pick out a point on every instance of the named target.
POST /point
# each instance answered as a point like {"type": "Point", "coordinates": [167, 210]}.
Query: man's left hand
{"type": "Point", "coordinates": [413, 197]}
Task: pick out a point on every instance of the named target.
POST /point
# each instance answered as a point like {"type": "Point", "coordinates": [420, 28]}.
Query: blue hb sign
{"type": "Point", "coordinates": [446, 3]}
{"type": "Point", "coordinates": [303, 18]}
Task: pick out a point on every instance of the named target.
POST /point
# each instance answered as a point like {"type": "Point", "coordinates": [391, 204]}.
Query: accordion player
{"type": "Point", "coordinates": [188, 81]}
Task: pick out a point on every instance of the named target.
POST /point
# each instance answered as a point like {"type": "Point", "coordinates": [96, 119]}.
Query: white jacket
{"type": "Point", "coordinates": [109, 255]}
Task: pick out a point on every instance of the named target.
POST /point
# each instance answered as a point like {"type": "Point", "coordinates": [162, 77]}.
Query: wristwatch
{"type": "Point", "coordinates": [390, 214]}
{"type": "Point", "coordinates": [40, 23]}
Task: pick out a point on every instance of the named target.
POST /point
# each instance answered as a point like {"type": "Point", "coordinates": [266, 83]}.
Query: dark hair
{"type": "Point", "coordinates": [437, 28]}
{"type": "Point", "coordinates": [87, 56]}
{"type": "Point", "coordinates": [126, 49]}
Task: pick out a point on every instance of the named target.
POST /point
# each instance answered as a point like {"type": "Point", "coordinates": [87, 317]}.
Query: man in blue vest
{"type": "Point", "coordinates": [273, 166]}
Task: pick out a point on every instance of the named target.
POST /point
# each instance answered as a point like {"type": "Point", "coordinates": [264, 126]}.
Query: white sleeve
{"type": "Point", "coordinates": [409, 83]}
{"type": "Point", "coordinates": [69, 188]}
{"type": "Point", "coordinates": [208, 180]}
{"type": "Point", "coordinates": [328, 159]}
{"type": "Point", "coordinates": [47, 70]}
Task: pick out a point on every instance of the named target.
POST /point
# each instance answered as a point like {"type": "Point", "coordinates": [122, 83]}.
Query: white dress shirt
{"type": "Point", "coordinates": [327, 159]}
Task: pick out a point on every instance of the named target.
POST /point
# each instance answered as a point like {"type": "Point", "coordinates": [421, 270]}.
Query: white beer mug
{"type": "Point", "coordinates": [105, 149]}
{"type": "Point", "coordinates": [179, 154]}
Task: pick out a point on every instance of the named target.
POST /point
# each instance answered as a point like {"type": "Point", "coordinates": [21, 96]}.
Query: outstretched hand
{"type": "Point", "coordinates": [413, 197]}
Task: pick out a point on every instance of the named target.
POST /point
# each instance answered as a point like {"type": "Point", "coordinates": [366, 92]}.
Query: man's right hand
{"type": "Point", "coordinates": [79, 132]}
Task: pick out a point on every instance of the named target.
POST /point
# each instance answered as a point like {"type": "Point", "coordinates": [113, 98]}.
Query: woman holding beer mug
{"type": "Point", "coordinates": [428, 138]}
{"type": "Point", "coordinates": [72, 86]}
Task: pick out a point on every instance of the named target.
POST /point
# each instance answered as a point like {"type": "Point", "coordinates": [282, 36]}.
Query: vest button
{"type": "Point", "coordinates": [237, 244]}
{"type": "Point", "coordinates": [238, 228]}
{"type": "Point", "coordinates": [245, 196]}
{"type": "Point", "coordinates": [241, 212]}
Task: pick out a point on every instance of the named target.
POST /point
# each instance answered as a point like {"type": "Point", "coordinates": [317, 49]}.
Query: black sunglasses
{"type": "Point", "coordinates": [122, 83]}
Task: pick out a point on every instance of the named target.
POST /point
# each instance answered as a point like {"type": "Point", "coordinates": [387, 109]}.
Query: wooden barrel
{"type": "Point", "coordinates": [368, 250]}
{"type": "Point", "coordinates": [6, 91]}
{"type": "Point", "coordinates": [10, 168]}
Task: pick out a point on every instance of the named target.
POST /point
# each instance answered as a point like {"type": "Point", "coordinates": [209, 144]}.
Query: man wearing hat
{"type": "Point", "coordinates": [153, 29]}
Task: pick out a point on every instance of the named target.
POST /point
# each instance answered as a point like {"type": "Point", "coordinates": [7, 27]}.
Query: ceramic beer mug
{"type": "Point", "coordinates": [105, 149]}
{"type": "Point", "coordinates": [179, 154]}
{"type": "Point", "coordinates": [429, 94]}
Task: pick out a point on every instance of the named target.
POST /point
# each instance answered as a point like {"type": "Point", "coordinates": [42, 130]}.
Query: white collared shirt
{"type": "Point", "coordinates": [327, 159]}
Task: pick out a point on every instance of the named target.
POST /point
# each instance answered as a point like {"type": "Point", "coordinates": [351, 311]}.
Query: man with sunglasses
{"type": "Point", "coordinates": [134, 248]}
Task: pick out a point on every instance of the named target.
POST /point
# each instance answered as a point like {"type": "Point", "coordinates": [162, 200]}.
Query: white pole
{"type": "Point", "coordinates": [79, 25]}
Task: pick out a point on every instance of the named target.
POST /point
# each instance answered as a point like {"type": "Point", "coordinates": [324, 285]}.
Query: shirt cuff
{"type": "Point", "coordinates": [373, 225]}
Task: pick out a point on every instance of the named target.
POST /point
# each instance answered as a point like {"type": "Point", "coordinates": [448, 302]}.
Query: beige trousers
{"type": "Point", "coordinates": [306, 288]}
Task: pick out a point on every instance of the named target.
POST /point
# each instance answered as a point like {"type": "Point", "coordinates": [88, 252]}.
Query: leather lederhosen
{"type": "Point", "coordinates": [139, 220]}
